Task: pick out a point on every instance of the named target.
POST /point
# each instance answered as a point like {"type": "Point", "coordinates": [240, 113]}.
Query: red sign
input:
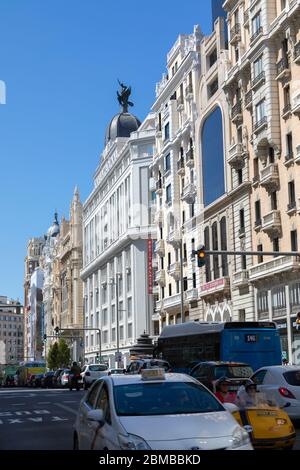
{"type": "Point", "coordinates": [150, 269]}
{"type": "Point", "coordinates": [213, 284]}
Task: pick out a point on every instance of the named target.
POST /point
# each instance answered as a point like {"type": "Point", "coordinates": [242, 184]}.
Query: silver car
{"type": "Point", "coordinates": [92, 372]}
{"type": "Point", "coordinates": [155, 410]}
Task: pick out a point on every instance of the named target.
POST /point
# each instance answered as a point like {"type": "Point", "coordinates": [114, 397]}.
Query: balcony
{"type": "Point", "coordinates": [289, 159]}
{"type": "Point", "coordinates": [173, 301]}
{"type": "Point", "coordinates": [159, 305]}
{"type": "Point", "coordinates": [255, 180]}
{"type": "Point", "coordinates": [296, 105]}
{"type": "Point", "coordinates": [189, 193]}
{"type": "Point", "coordinates": [287, 110]}
{"type": "Point", "coordinates": [174, 270]}
{"type": "Point", "coordinates": [160, 247]}
{"type": "Point", "coordinates": [159, 217]}
{"type": "Point", "coordinates": [155, 290]}
{"type": "Point", "coordinates": [236, 156]}
{"type": "Point", "coordinates": [297, 157]}
{"type": "Point", "coordinates": [256, 35]}
{"type": "Point", "coordinates": [189, 156]}
{"type": "Point", "coordinates": [297, 53]}
{"type": "Point", "coordinates": [236, 113]}
{"type": "Point", "coordinates": [258, 126]}
{"type": "Point", "coordinates": [174, 237]}
{"type": "Point", "coordinates": [274, 266]}
{"type": "Point", "coordinates": [283, 69]}
{"type": "Point", "coordinates": [192, 295]}
{"type": "Point", "coordinates": [241, 278]}
{"type": "Point", "coordinates": [160, 277]}
{"type": "Point", "coordinates": [257, 224]}
{"type": "Point", "coordinates": [269, 177]}
{"type": "Point", "coordinates": [189, 92]}
{"type": "Point", "coordinates": [180, 103]}
{"type": "Point", "coordinates": [235, 33]}
{"type": "Point", "coordinates": [180, 166]}
{"type": "Point", "coordinates": [258, 80]}
{"type": "Point", "coordinates": [159, 188]}
{"type": "Point", "coordinates": [248, 100]}
{"type": "Point", "coordinates": [152, 184]}
{"type": "Point", "coordinates": [271, 223]}
{"type": "Point", "coordinates": [291, 207]}
{"type": "Point", "coordinates": [219, 286]}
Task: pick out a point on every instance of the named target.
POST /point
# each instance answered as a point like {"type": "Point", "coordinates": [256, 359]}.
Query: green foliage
{"type": "Point", "coordinates": [64, 354]}
{"type": "Point", "coordinates": [53, 357]}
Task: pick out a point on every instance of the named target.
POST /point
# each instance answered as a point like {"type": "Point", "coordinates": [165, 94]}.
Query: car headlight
{"type": "Point", "coordinates": [240, 437]}
{"type": "Point", "coordinates": [132, 442]}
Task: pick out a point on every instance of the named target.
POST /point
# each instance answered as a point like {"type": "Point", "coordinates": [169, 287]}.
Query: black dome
{"type": "Point", "coordinates": [121, 125]}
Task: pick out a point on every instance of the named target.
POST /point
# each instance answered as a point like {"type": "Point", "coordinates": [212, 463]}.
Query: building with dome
{"type": "Point", "coordinates": [117, 239]}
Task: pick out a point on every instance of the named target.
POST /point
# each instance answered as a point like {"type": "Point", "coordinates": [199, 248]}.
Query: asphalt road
{"type": "Point", "coordinates": [37, 419]}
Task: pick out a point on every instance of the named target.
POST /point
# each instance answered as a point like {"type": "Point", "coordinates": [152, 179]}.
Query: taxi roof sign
{"type": "Point", "coordinates": [153, 374]}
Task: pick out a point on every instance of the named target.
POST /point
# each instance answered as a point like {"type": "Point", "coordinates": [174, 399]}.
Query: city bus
{"type": "Point", "coordinates": [254, 343]}
{"type": "Point", "coordinates": [29, 368]}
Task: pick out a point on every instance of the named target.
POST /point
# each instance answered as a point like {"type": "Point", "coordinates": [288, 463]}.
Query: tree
{"type": "Point", "coordinates": [64, 354]}
{"type": "Point", "coordinates": [53, 356]}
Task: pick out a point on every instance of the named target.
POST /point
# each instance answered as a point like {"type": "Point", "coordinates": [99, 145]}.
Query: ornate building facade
{"type": "Point", "coordinates": [11, 331]}
{"type": "Point", "coordinates": [117, 227]}
{"type": "Point", "coordinates": [263, 90]}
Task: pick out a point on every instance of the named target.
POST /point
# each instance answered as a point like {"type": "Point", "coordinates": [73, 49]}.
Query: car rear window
{"type": "Point", "coordinates": [292, 377]}
{"type": "Point", "coordinates": [161, 364]}
{"type": "Point", "coordinates": [233, 371]}
{"type": "Point", "coordinates": [98, 368]}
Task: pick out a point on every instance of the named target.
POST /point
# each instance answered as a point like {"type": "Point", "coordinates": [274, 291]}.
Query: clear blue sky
{"type": "Point", "coordinates": [60, 60]}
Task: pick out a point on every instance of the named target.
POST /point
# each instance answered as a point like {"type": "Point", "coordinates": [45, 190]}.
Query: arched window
{"type": "Point", "coordinates": [224, 246]}
{"type": "Point", "coordinates": [213, 157]}
{"type": "Point", "coordinates": [209, 317]}
{"type": "Point", "coordinates": [226, 316]}
{"type": "Point", "coordinates": [215, 247]}
{"type": "Point", "coordinates": [207, 246]}
{"type": "Point", "coordinates": [218, 316]}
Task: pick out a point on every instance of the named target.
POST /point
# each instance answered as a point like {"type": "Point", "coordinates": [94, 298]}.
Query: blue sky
{"type": "Point", "coordinates": [60, 60]}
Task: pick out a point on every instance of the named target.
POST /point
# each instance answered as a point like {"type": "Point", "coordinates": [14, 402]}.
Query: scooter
{"type": "Point", "coordinates": [74, 381]}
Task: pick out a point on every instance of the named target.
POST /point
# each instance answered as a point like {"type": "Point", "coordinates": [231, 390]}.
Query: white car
{"type": "Point", "coordinates": [155, 411]}
{"type": "Point", "coordinates": [92, 372]}
{"type": "Point", "coordinates": [280, 384]}
{"type": "Point", "coordinates": [64, 377]}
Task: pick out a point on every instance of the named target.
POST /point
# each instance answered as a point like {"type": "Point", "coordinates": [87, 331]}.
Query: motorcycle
{"type": "Point", "coordinates": [74, 381]}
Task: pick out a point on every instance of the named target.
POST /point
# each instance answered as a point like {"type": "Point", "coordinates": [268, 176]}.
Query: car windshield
{"type": "Point", "coordinates": [292, 377]}
{"type": "Point", "coordinates": [163, 398]}
{"type": "Point", "coordinates": [160, 364]}
{"type": "Point", "coordinates": [98, 368]}
{"type": "Point", "coordinates": [232, 371]}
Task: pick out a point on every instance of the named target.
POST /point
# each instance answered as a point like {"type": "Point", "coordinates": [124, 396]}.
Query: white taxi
{"type": "Point", "coordinates": [155, 410]}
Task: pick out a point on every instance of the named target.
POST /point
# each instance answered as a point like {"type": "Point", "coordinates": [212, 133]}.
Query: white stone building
{"type": "Point", "coordinates": [116, 229]}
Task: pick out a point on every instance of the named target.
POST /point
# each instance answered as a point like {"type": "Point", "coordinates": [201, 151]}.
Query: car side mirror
{"type": "Point", "coordinates": [231, 407]}
{"type": "Point", "coordinates": [96, 416]}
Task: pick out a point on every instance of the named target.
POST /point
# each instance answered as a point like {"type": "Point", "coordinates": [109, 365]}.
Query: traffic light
{"type": "Point", "coordinates": [45, 337]}
{"type": "Point", "coordinates": [298, 321]}
{"type": "Point", "coordinates": [56, 329]}
{"type": "Point", "coordinates": [201, 256]}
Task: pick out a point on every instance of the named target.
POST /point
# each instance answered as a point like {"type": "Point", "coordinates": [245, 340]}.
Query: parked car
{"type": "Point", "coordinates": [138, 412]}
{"type": "Point", "coordinates": [137, 365]}
{"type": "Point", "coordinates": [208, 372]}
{"type": "Point", "coordinates": [281, 384]}
{"type": "Point", "coordinates": [56, 376]}
{"type": "Point", "coordinates": [92, 372]}
{"type": "Point", "coordinates": [47, 380]}
{"type": "Point", "coordinates": [63, 379]}
{"type": "Point", "coordinates": [35, 380]}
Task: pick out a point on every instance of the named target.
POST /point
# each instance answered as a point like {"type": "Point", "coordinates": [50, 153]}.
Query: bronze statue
{"type": "Point", "coordinates": [123, 96]}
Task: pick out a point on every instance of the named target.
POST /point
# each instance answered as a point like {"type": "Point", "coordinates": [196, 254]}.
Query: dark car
{"type": "Point", "coordinates": [55, 378]}
{"type": "Point", "coordinates": [35, 380]}
{"type": "Point", "coordinates": [137, 365]}
{"type": "Point", "coordinates": [47, 379]}
{"type": "Point", "coordinates": [208, 372]}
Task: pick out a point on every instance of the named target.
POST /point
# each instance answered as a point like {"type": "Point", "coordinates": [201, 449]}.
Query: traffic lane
{"type": "Point", "coordinates": [38, 420]}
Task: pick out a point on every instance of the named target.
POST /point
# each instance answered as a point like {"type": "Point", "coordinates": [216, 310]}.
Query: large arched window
{"type": "Point", "coordinates": [213, 157]}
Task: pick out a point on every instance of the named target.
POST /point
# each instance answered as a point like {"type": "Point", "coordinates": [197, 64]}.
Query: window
{"type": "Point", "coordinates": [256, 24]}
{"type": "Point", "coordinates": [292, 199]}
{"type": "Point", "coordinates": [275, 244]}
{"type": "Point", "coordinates": [213, 88]}
{"type": "Point", "coordinates": [207, 246]}
{"type": "Point", "coordinates": [257, 213]}
{"type": "Point", "coordinates": [224, 246]}
{"type": "Point", "coordinates": [129, 330]}
{"type": "Point", "coordinates": [162, 292]}
{"type": "Point", "coordinates": [105, 336]}
{"type": "Point", "coordinates": [258, 67]}
{"type": "Point", "coordinates": [255, 167]}
{"type": "Point", "coordinates": [169, 260]}
{"type": "Point", "coordinates": [167, 163]}
{"type": "Point", "coordinates": [113, 313]}
{"type": "Point", "coordinates": [260, 111]}
{"type": "Point", "coordinates": [121, 332]}
{"type": "Point", "coordinates": [194, 280]}
{"type": "Point", "coordinates": [129, 307]}
{"type": "Point", "coordinates": [215, 247]}
{"type": "Point", "coordinates": [242, 221]}
{"type": "Point", "coordinates": [168, 194]}
{"type": "Point", "coordinates": [262, 302]}
{"type": "Point", "coordinates": [289, 144]}
{"type": "Point", "coordinates": [278, 298]}
{"type": "Point", "coordinates": [260, 258]}
{"type": "Point", "coordinates": [294, 241]}
{"type": "Point", "coordinates": [240, 175]}
{"type": "Point", "coordinates": [170, 290]}
{"type": "Point", "coordinates": [273, 200]}
{"type": "Point", "coordinates": [104, 317]}
{"type": "Point", "coordinates": [113, 335]}
{"type": "Point", "coordinates": [212, 58]}
{"type": "Point", "coordinates": [242, 315]}
{"type": "Point", "coordinates": [167, 131]}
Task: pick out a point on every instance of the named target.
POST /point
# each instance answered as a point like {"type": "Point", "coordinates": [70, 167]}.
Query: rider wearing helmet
{"type": "Point", "coordinates": [247, 394]}
{"type": "Point", "coordinates": [222, 390]}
